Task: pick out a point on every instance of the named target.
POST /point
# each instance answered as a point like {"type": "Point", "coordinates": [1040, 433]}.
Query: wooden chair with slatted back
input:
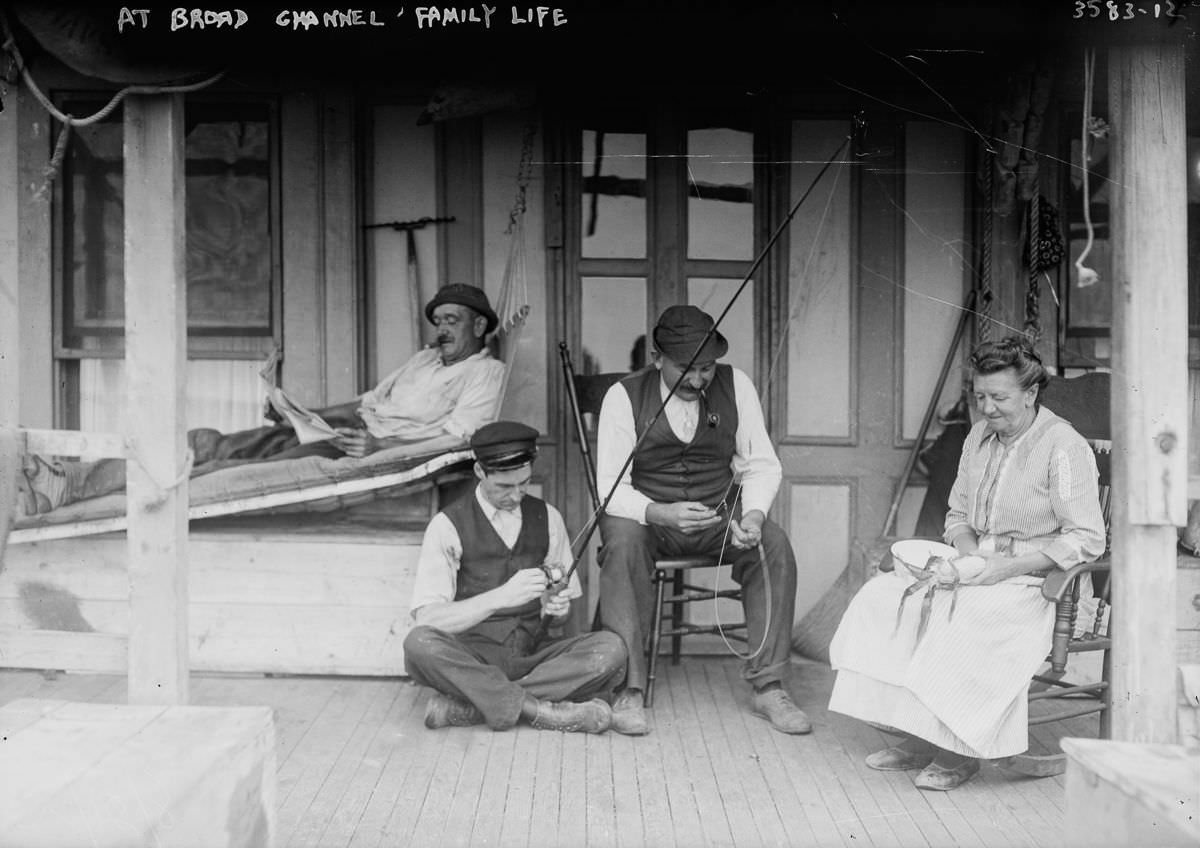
{"type": "Point", "coordinates": [585, 394]}
{"type": "Point", "coordinates": [1083, 401]}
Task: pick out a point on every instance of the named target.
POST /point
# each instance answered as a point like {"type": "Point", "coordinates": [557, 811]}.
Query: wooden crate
{"type": "Point", "coordinates": [113, 775]}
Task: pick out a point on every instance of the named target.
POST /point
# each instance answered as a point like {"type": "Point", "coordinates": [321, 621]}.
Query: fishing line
{"type": "Point", "coordinates": [593, 521]}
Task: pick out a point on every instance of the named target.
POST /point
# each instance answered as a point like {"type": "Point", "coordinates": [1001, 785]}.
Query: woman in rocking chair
{"type": "Point", "coordinates": [952, 679]}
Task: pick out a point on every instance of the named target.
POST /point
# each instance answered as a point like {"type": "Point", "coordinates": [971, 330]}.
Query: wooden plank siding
{"type": "Point", "coordinates": [356, 767]}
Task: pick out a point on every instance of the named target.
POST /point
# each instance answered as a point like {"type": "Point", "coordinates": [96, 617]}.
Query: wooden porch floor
{"type": "Point", "coordinates": [358, 768]}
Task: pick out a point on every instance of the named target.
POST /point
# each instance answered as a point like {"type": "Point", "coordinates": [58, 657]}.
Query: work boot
{"type": "Point", "coordinates": [629, 714]}
{"type": "Point", "coordinates": [594, 716]}
{"type": "Point", "coordinates": [777, 707]}
{"type": "Point", "coordinates": [448, 711]}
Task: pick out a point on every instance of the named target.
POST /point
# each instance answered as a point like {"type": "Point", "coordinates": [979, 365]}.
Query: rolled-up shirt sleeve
{"type": "Point", "coordinates": [1075, 496]}
{"type": "Point", "coordinates": [437, 567]}
{"type": "Point", "coordinates": [754, 461]}
{"type": "Point", "coordinates": [614, 443]}
{"type": "Point", "coordinates": [558, 553]}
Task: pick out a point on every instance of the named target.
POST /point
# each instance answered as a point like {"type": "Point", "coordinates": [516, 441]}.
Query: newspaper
{"type": "Point", "coordinates": [309, 426]}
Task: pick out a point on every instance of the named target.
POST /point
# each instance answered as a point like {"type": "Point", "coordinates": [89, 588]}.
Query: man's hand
{"type": "Point", "coordinates": [524, 586]}
{"type": "Point", "coordinates": [555, 605]}
{"type": "Point", "coordinates": [747, 533]}
{"type": "Point", "coordinates": [270, 413]}
{"type": "Point", "coordinates": [356, 443]}
{"type": "Point", "coordinates": [685, 516]}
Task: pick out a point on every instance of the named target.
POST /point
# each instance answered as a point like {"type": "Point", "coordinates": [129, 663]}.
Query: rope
{"type": "Point", "coordinates": [189, 459]}
{"type": "Point", "coordinates": [1086, 276]}
{"type": "Point", "coordinates": [762, 562]}
{"type": "Point", "coordinates": [984, 314]}
{"type": "Point", "coordinates": [512, 302]}
{"type": "Point", "coordinates": [1033, 329]}
{"type": "Point", "coordinates": [69, 121]}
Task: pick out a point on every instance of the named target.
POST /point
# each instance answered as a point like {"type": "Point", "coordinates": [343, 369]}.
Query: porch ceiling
{"type": "Point", "coordinates": [600, 43]}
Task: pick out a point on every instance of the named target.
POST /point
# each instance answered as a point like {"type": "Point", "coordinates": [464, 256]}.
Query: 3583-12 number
{"type": "Point", "coordinates": [1121, 11]}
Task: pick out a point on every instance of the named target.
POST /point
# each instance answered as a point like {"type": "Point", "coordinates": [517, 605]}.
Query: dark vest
{"type": "Point", "coordinates": [666, 469]}
{"type": "Point", "coordinates": [487, 562]}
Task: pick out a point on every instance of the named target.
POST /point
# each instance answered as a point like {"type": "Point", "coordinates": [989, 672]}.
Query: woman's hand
{"type": "Point", "coordinates": [996, 569]}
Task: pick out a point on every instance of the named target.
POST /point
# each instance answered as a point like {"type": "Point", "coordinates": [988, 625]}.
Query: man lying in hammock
{"type": "Point", "coordinates": [451, 388]}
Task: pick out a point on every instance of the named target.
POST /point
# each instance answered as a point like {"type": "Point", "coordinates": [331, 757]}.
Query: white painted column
{"type": "Point", "coordinates": [155, 364]}
{"type": "Point", "coordinates": [1149, 402]}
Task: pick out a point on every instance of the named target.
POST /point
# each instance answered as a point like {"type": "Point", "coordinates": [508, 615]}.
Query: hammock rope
{"type": "Point", "coordinates": [512, 302]}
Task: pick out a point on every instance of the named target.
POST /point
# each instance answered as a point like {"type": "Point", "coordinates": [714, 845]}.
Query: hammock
{"type": "Point", "coordinates": [310, 483]}
{"type": "Point", "coordinates": [318, 483]}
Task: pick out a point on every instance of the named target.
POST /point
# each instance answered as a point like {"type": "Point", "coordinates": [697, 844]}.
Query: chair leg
{"type": "Point", "coordinates": [676, 618]}
{"type": "Point", "coordinates": [660, 586]}
{"type": "Point", "coordinates": [1106, 697]}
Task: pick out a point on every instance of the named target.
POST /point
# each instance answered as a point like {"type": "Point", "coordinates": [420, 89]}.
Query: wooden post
{"type": "Point", "coordinates": [155, 362]}
{"type": "Point", "coordinates": [10, 301]}
{"type": "Point", "coordinates": [1149, 400]}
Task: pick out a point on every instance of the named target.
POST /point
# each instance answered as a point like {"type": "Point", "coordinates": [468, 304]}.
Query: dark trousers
{"type": "Point", "coordinates": [496, 676]}
{"type": "Point", "coordinates": [627, 591]}
{"type": "Point", "coordinates": [213, 451]}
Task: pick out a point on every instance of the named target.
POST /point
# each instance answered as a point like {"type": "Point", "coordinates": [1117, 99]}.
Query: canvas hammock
{"type": "Point", "coordinates": [318, 483]}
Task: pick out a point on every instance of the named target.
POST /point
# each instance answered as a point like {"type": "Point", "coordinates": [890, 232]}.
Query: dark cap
{"type": "Point", "coordinates": [681, 329]}
{"type": "Point", "coordinates": [504, 445]}
{"type": "Point", "coordinates": [463, 295]}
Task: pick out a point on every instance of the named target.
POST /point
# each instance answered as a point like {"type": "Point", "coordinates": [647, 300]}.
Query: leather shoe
{"type": "Point", "coordinates": [777, 707]}
{"type": "Point", "coordinates": [594, 716]}
{"type": "Point", "coordinates": [447, 711]}
{"type": "Point", "coordinates": [629, 715]}
{"type": "Point", "coordinates": [897, 758]}
{"type": "Point", "coordinates": [942, 779]}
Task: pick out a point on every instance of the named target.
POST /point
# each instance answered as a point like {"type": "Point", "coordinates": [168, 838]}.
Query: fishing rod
{"type": "Point", "coordinates": [594, 520]}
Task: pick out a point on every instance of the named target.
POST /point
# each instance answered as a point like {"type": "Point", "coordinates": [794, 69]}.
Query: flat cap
{"type": "Point", "coordinates": [504, 445]}
{"type": "Point", "coordinates": [464, 295]}
{"type": "Point", "coordinates": [681, 330]}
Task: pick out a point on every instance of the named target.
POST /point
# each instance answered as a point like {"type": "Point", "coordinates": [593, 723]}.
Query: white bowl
{"type": "Point", "coordinates": [916, 552]}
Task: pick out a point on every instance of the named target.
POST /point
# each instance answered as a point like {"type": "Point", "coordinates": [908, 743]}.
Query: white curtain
{"type": "Point", "coordinates": [221, 393]}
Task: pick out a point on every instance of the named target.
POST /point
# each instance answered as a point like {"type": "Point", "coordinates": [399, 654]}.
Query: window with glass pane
{"type": "Point", "coordinates": [229, 232]}
{"type": "Point", "coordinates": [738, 326]}
{"type": "Point", "coordinates": [613, 316]}
{"type": "Point", "coordinates": [613, 167]}
{"type": "Point", "coordinates": [720, 177]}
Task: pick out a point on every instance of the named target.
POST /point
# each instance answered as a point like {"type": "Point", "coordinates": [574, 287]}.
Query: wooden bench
{"type": "Point", "coordinates": [114, 775]}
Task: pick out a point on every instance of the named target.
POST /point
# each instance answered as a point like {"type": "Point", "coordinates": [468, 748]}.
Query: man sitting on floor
{"type": "Point", "coordinates": [451, 388]}
{"type": "Point", "coordinates": [484, 607]}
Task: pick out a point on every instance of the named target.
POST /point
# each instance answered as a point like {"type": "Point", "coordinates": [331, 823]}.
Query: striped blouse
{"type": "Point", "coordinates": [1039, 493]}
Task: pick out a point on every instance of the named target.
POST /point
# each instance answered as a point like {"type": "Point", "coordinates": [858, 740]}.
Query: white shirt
{"type": "Point", "coordinates": [441, 552]}
{"type": "Point", "coordinates": [424, 398]}
{"type": "Point", "coordinates": [754, 461]}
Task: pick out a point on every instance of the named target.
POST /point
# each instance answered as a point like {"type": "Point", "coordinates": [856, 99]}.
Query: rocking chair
{"type": "Point", "coordinates": [1083, 401]}
{"type": "Point", "coordinates": [585, 394]}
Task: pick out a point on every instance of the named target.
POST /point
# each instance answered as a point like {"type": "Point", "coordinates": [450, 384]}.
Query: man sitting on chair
{"type": "Point", "coordinates": [670, 503]}
{"type": "Point", "coordinates": [451, 388]}
{"type": "Point", "coordinates": [488, 594]}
